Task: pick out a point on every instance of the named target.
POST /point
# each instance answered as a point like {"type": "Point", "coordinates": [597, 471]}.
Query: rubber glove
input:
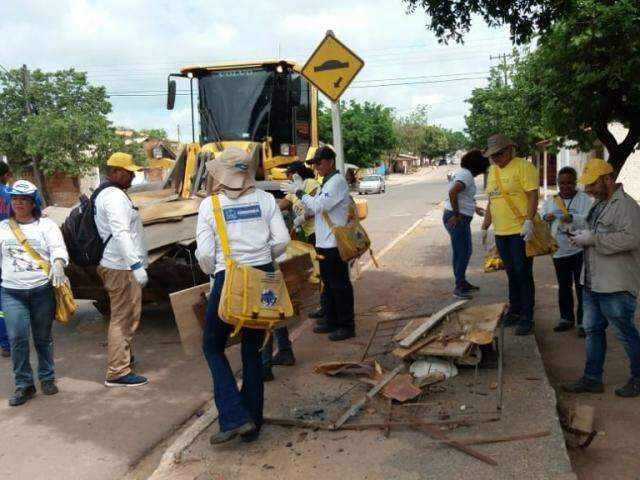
{"type": "Point", "coordinates": [141, 276]}
{"type": "Point", "coordinates": [527, 230]}
{"type": "Point", "coordinates": [292, 186]}
{"type": "Point", "coordinates": [56, 274]}
{"type": "Point", "coordinates": [583, 238]}
{"type": "Point", "coordinates": [299, 221]}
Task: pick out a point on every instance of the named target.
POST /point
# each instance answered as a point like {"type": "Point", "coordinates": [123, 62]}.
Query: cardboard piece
{"type": "Point", "coordinates": [431, 322]}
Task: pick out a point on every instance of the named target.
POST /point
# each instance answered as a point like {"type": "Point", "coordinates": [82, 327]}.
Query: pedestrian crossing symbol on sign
{"type": "Point", "coordinates": [332, 67]}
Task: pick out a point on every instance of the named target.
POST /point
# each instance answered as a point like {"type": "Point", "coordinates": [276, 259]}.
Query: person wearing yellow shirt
{"type": "Point", "coordinates": [513, 225]}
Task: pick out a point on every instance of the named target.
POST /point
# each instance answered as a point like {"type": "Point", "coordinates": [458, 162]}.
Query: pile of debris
{"type": "Point", "coordinates": [429, 347]}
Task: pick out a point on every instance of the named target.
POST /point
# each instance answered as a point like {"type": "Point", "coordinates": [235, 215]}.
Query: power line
{"type": "Point", "coordinates": [420, 83]}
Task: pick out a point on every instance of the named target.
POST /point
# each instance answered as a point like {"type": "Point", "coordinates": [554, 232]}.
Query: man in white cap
{"type": "Point", "coordinates": [611, 276]}
{"type": "Point", "coordinates": [122, 268]}
{"type": "Point", "coordinates": [512, 187]}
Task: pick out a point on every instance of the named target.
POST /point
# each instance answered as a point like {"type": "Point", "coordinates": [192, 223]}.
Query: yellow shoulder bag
{"type": "Point", "coordinates": [65, 304]}
{"type": "Point", "coordinates": [560, 204]}
{"type": "Point", "coordinates": [352, 239]}
{"type": "Point", "coordinates": [542, 242]}
{"type": "Point", "coordinates": [250, 297]}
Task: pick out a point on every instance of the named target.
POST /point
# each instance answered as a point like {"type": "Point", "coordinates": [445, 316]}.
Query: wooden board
{"type": "Point", "coordinates": [162, 234]}
{"type": "Point", "coordinates": [162, 211]}
{"type": "Point", "coordinates": [189, 321]}
{"type": "Point", "coordinates": [431, 322]}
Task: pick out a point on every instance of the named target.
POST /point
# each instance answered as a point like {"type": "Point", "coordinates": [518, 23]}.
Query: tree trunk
{"type": "Point", "coordinates": [39, 181]}
{"type": "Point", "coordinates": [618, 152]}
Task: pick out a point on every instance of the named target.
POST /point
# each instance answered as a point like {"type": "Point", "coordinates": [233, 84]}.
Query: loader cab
{"type": "Point", "coordinates": [268, 103]}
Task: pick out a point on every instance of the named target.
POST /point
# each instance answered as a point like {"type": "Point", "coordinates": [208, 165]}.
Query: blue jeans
{"type": "Point", "coordinates": [460, 244]}
{"type": "Point", "coordinates": [235, 407]}
{"type": "Point", "coordinates": [600, 309]}
{"type": "Point", "coordinates": [519, 268]}
{"type": "Point", "coordinates": [4, 337]}
{"type": "Point", "coordinates": [282, 338]}
{"type": "Point", "coordinates": [30, 311]}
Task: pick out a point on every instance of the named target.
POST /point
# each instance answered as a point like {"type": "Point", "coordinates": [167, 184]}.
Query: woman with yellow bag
{"type": "Point", "coordinates": [30, 245]}
{"type": "Point", "coordinates": [238, 225]}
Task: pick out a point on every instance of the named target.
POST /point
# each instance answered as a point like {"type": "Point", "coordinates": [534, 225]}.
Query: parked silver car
{"type": "Point", "coordinates": [371, 184]}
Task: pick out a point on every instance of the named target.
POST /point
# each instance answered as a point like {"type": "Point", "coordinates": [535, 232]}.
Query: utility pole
{"type": "Point", "coordinates": [505, 66]}
{"type": "Point", "coordinates": [178, 133]}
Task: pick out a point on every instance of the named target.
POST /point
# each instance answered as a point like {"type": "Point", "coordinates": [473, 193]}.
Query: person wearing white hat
{"type": "Point", "coordinates": [122, 268]}
{"type": "Point", "coordinates": [27, 291]}
{"type": "Point", "coordinates": [257, 235]}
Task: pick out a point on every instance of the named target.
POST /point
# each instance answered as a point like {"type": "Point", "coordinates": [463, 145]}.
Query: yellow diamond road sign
{"type": "Point", "coordinates": [332, 67]}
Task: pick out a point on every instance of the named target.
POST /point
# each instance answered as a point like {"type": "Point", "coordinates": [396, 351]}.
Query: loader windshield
{"type": "Point", "coordinates": [239, 101]}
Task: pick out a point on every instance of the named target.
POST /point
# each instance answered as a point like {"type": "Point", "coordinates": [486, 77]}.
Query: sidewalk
{"type": "Point", "coordinates": [415, 276]}
{"type": "Point", "coordinates": [423, 173]}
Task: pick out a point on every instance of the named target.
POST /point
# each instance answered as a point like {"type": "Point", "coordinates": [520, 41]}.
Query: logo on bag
{"type": "Point", "coordinates": [268, 298]}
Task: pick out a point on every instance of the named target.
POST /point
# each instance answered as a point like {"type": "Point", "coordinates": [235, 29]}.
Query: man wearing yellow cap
{"type": "Point", "coordinates": [122, 268]}
{"type": "Point", "coordinates": [611, 276]}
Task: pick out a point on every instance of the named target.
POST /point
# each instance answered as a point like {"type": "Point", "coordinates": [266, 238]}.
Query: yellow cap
{"type": "Point", "coordinates": [594, 169]}
{"type": "Point", "coordinates": [123, 160]}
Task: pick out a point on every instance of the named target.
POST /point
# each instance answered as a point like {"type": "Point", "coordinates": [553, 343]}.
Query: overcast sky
{"type": "Point", "coordinates": [130, 47]}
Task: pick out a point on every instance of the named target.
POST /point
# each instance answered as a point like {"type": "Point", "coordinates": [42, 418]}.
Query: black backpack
{"type": "Point", "coordinates": [84, 244]}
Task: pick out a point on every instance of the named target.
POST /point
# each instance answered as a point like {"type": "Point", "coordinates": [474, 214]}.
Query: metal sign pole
{"type": "Point", "coordinates": [337, 136]}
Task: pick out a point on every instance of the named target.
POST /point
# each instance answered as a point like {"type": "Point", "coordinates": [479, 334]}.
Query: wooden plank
{"type": "Point", "coordinates": [431, 322]}
{"type": "Point", "coordinates": [497, 439]}
{"type": "Point", "coordinates": [406, 352]}
{"type": "Point", "coordinates": [189, 325]}
{"type": "Point", "coordinates": [370, 394]}
{"type": "Point", "coordinates": [163, 234]}
{"type": "Point", "coordinates": [154, 212]}
{"type": "Point", "coordinates": [419, 424]}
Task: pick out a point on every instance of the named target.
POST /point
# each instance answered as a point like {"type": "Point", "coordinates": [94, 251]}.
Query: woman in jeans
{"type": "Point", "coordinates": [28, 298]}
{"type": "Point", "coordinates": [458, 213]}
{"type": "Point", "coordinates": [256, 235]}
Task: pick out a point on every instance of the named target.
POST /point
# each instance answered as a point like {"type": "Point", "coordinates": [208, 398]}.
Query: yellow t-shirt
{"type": "Point", "coordinates": [518, 177]}
{"type": "Point", "coordinates": [308, 227]}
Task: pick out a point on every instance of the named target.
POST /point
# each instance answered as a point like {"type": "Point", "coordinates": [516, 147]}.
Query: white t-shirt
{"type": "Point", "coordinates": [19, 269]}
{"type": "Point", "coordinates": [255, 230]}
{"type": "Point", "coordinates": [578, 207]}
{"type": "Point", "coordinates": [466, 198]}
{"type": "Point", "coordinates": [116, 217]}
{"type": "Point", "coordinates": [335, 200]}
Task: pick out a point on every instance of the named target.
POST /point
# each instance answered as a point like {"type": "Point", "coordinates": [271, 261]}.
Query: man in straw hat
{"type": "Point", "coordinates": [512, 219]}
{"type": "Point", "coordinates": [611, 276]}
{"type": "Point", "coordinates": [122, 268]}
{"type": "Point", "coordinates": [257, 235]}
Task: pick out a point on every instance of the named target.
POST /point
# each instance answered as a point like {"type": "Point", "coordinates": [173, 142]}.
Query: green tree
{"type": "Point", "coordinates": [367, 131]}
{"type": "Point", "coordinates": [503, 108]}
{"type": "Point", "coordinates": [451, 19]}
{"type": "Point", "coordinates": [157, 133]}
{"type": "Point", "coordinates": [57, 123]}
{"type": "Point", "coordinates": [456, 141]}
{"type": "Point", "coordinates": [410, 131]}
{"type": "Point", "coordinates": [436, 142]}
{"type": "Point", "coordinates": [585, 73]}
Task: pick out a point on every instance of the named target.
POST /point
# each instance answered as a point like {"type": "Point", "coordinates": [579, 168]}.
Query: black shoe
{"type": "Point", "coordinates": [510, 319]}
{"type": "Point", "coordinates": [563, 326]}
{"type": "Point", "coordinates": [630, 390]}
{"type": "Point", "coordinates": [129, 380]}
{"type": "Point", "coordinates": [324, 328]}
{"type": "Point", "coordinates": [22, 395]}
{"type": "Point", "coordinates": [5, 353]}
{"type": "Point", "coordinates": [467, 286]}
{"type": "Point", "coordinates": [342, 333]}
{"type": "Point", "coordinates": [48, 387]}
{"type": "Point", "coordinates": [317, 314]}
{"type": "Point", "coordinates": [251, 436]}
{"type": "Point", "coordinates": [581, 332]}
{"type": "Point", "coordinates": [284, 357]}
{"type": "Point", "coordinates": [132, 361]}
{"type": "Point", "coordinates": [584, 385]}
{"type": "Point", "coordinates": [463, 294]}
{"type": "Point", "coordinates": [267, 374]}
{"type": "Point", "coordinates": [222, 437]}
{"type": "Point", "coordinates": [524, 328]}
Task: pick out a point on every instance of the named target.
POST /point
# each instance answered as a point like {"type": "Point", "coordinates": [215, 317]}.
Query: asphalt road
{"type": "Point", "coordinates": [393, 212]}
